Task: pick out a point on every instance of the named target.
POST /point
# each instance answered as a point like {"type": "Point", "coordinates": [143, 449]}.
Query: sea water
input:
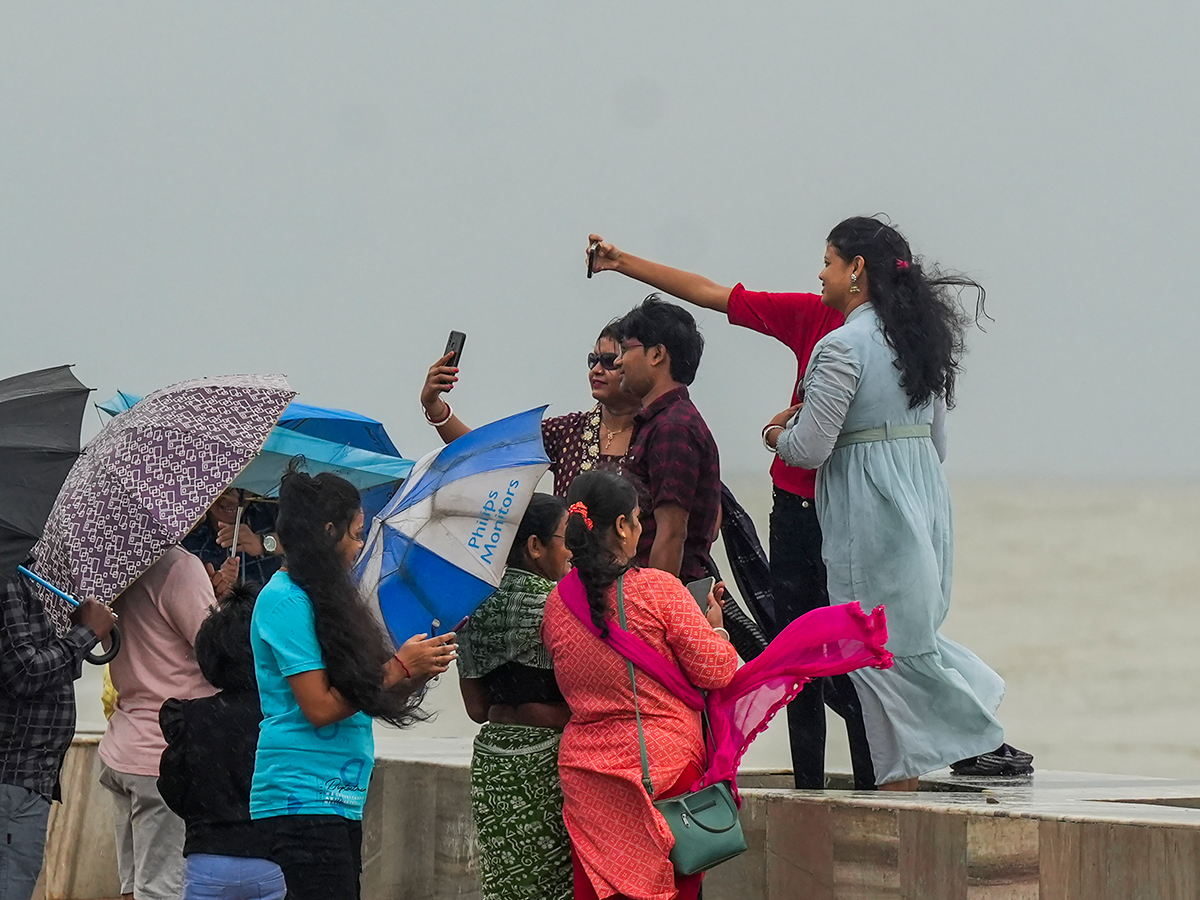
{"type": "Point", "coordinates": [1085, 597]}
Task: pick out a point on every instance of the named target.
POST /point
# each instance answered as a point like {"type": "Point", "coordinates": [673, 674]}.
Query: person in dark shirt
{"type": "Point", "coordinates": [37, 721]}
{"type": "Point", "coordinates": [205, 772]}
{"type": "Point", "coordinates": [673, 458]}
{"type": "Point", "coordinates": [259, 554]}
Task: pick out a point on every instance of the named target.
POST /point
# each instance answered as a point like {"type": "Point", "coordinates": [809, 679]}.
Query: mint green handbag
{"type": "Point", "coordinates": [705, 822]}
{"type": "Point", "coordinates": [706, 827]}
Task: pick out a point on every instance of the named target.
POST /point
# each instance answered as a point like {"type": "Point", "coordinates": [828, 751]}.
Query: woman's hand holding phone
{"type": "Point", "coordinates": [441, 380]}
{"type": "Point", "coordinates": [601, 256]}
{"type": "Point", "coordinates": [716, 601]}
{"type": "Point", "coordinates": [421, 658]}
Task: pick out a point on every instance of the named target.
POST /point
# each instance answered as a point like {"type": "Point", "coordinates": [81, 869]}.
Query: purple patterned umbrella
{"type": "Point", "coordinates": [148, 477]}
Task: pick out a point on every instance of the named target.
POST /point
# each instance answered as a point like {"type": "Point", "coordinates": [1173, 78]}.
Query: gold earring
{"type": "Point", "coordinates": [854, 288]}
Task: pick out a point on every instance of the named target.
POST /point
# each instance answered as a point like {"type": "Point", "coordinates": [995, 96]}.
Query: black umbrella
{"type": "Point", "coordinates": [40, 416]}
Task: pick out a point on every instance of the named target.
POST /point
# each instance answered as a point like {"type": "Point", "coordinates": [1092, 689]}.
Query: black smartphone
{"type": "Point", "coordinates": [592, 258]}
{"type": "Point", "coordinates": [700, 590]}
{"type": "Point", "coordinates": [455, 345]}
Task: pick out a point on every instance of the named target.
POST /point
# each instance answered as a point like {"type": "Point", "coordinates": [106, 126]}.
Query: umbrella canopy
{"type": "Point", "coordinates": [338, 426]}
{"type": "Point", "coordinates": [364, 469]}
{"type": "Point", "coordinates": [145, 480]}
{"type": "Point", "coordinates": [438, 549]}
{"type": "Point", "coordinates": [40, 415]}
{"type": "Point", "coordinates": [332, 440]}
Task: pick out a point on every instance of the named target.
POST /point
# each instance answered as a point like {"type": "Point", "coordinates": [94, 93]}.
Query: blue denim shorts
{"type": "Point", "coordinates": [210, 877]}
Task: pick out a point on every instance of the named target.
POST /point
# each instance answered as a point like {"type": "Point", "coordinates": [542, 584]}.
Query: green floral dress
{"type": "Point", "coordinates": [516, 797]}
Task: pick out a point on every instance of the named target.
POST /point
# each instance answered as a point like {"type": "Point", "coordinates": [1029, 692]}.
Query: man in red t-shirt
{"type": "Point", "coordinates": [798, 581]}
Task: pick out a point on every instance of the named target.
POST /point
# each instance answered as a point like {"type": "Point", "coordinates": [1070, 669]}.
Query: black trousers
{"type": "Point", "coordinates": [798, 585]}
{"type": "Point", "coordinates": [321, 856]}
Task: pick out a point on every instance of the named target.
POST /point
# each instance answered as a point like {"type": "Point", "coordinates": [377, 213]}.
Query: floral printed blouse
{"type": "Point", "coordinates": [573, 445]}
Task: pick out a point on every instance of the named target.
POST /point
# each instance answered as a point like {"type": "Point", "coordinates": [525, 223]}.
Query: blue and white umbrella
{"type": "Point", "coordinates": [437, 550]}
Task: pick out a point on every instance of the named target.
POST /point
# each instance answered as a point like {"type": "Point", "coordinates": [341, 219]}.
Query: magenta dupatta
{"type": "Point", "coordinates": [831, 640]}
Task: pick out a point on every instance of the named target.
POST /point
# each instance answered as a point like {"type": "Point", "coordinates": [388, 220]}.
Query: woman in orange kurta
{"type": "Point", "coordinates": [619, 841]}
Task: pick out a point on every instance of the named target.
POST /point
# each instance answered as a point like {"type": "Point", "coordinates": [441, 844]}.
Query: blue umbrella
{"type": "Point", "coordinates": [364, 469]}
{"type": "Point", "coordinates": [437, 550]}
{"type": "Point", "coordinates": [339, 426]}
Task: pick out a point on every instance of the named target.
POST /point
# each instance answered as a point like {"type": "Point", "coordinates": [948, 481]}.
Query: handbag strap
{"type": "Point", "coordinates": [574, 596]}
{"type": "Point", "coordinates": [637, 713]}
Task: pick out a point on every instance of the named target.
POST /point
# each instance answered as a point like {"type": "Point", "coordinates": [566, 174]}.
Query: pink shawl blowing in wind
{"type": "Point", "coordinates": [831, 640]}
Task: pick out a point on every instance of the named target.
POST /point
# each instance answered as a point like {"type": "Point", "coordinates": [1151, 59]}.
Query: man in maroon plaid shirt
{"type": "Point", "coordinates": [673, 457]}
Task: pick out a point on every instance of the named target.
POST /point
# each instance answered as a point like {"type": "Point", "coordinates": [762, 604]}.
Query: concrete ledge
{"type": "Point", "coordinates": [1055, 836]}
{"type": "Point", "coordinates": [81, 853]}
{"type": "Point", "coordinates": [418, 836]}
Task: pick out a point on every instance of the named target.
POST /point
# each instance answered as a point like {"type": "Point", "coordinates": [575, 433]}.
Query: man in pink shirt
{"type": "Point", "coordinates": [160, 615]}
{"type": "Point", "coordinates": [798, 581]}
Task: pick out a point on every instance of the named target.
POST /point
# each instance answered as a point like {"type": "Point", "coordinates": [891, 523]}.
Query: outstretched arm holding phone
{"type": "Point", "coordinates": [440, 381]}
{"type": "Point", "coordinates": [687, 286]}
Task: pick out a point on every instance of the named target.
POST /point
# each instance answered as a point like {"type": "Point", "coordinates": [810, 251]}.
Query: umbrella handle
{"type": "Point", "coordinates": [94, 659]}
{"type": "Point", "coordinates": [108, 655]}
{"type": "Point", "coordinates": [56, 591]}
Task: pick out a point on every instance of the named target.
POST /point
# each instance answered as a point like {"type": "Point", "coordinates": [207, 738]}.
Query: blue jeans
{"type": "Point", "coordinates": [23, 817]}
{"type": "Point", "coordinates": [210, 877]}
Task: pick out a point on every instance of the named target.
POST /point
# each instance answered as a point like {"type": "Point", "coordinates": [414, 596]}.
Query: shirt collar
{"type": "Point", "coordinates": [858, 310]}
{"type": "Point", "coordinates": [670, 398]}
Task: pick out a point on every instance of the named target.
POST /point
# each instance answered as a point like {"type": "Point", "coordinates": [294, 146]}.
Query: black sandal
{"type": "Point", "coordinates": [1005, 761]}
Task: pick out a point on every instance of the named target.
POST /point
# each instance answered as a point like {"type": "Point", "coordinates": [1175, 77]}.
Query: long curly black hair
{"type": "Point", "coordinates": [315, 512]}
{"type": "Point", "coordinates": [917, 304]}
{"type": "Point", "coordinates": [607, 496]}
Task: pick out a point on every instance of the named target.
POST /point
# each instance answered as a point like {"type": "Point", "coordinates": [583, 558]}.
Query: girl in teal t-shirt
{"type": "Point", "coordinates": [325, 668]}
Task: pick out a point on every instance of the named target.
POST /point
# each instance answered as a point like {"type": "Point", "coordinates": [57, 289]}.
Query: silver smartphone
{"type": "Point", "coordinates": [700, 590]}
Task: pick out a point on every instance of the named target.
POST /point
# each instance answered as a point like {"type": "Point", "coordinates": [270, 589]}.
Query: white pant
{"type": "Point", "coordinates": [149, 837]}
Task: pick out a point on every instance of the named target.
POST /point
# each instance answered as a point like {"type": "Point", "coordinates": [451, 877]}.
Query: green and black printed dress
{"type": "Point", "coordinates": [516, 797]}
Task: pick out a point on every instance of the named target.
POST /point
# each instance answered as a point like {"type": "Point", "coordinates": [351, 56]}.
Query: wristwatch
{"type": "Point", "coordinates": [270, 543]}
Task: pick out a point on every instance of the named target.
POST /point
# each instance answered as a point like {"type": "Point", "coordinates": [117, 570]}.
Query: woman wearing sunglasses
{"type": "Point", "coordinates": [595, 439]}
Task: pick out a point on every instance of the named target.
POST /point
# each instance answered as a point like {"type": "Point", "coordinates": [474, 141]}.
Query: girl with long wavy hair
{"type": "Point", "coordinates": [876, 392]}
{"type": "Point", "coordinates": [325, 668]}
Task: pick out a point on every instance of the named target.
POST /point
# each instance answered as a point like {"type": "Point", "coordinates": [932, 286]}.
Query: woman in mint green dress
{"type": "Point", "coordinates": [872, 422]}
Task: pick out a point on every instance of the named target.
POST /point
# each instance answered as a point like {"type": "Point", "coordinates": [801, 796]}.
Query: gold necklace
{"type": "Point", "coordinates": [608, 439]}
{"type": "Point", "coordinates": [593, 435]}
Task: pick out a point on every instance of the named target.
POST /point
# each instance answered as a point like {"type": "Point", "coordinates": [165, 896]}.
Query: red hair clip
{"type": "Point", "coordinates": [579, 508]}
{"type": "Point", "coordinates": [901, 265]}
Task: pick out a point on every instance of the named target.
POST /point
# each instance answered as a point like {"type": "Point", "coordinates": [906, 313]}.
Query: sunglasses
{"type": "Point", "coordinates": [606, 361]}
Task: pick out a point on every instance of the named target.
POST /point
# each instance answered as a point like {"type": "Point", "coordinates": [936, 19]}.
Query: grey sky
{"type": "Point", "coordinates": [324, 190]}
